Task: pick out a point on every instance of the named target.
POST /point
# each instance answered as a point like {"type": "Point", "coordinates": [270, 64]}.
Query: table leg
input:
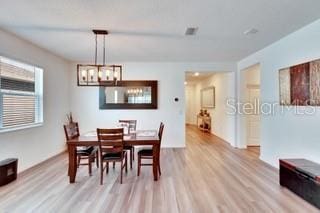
{"type": "Point", "coordinates": [155, 163]}
{"type": "Point", "coordinates": [72, 163]}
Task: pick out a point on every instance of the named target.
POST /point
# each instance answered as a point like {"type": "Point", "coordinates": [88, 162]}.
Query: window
{"type": "Point", "coordinates": [21, 95]}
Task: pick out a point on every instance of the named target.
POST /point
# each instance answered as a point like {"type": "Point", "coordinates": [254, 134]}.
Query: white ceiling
{"type": "Point", "coordinates": [153, 30]}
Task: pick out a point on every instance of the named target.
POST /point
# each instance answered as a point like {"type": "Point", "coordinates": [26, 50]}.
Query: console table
{"type": "Point", "coordinates": [204, 123]}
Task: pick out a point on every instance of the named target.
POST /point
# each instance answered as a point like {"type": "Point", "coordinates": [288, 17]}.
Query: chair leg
{"type": "Point", "coordinates": [126, 163]}
{"type": "Point", "coordinates": [114, 165]}
{"type": "Point", "coordinates": [121, 174]}
{"type": "Point", "coordinates": [79, 159]}
{"type": "Point", "coordinates": [107, 169]}
{"type": "Point", "coordinates": [139, 165]}
{"type": "Point", "coordinates": [131, 157]}
{"type": "Point", "coordinates": [132, 153]}
{"type": "Point", "coordinates": [90, 165]}
{"type": "Point", "coordinates": [101, 173]}
{"type": "Point", "coordinates": [97, 159]}
{"type": "Point", "coordinates": [159, 168]}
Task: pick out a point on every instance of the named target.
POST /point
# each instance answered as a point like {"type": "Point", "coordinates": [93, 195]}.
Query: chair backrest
{"type": "Point", "coordinates": [161, 131]}
{"type": "Point", "coordinates": [132, 124]}
{"type": "Point", "coordinates": [71, 130]}
{"type": "Point", "coordinates": [110, 140]}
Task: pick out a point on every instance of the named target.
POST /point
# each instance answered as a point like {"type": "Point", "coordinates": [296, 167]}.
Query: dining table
{"type": "Point", "coordinates": [138, 138]}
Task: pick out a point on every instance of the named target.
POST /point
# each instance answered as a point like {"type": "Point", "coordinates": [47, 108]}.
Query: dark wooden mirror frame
{"type": "Point", "coordinates": [109, 106]}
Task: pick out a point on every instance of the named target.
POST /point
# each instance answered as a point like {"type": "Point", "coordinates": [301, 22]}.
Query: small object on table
{"type": "Point", "coordinates": [125, 127]}
{"type": "Point", "coordinates": [91, 134]}
{"type": "Point", "coordinates": [70, 118]}
{"type": "Point", "coordinates": [147, 133]}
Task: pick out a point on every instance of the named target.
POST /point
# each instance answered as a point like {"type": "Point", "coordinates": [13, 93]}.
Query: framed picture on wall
{"type": "Point", "coordinates": [300, 84]}
{"type": "Point", "coordinates": [208, 97]}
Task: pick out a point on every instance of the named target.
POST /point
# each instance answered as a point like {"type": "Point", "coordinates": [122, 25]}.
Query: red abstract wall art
{"type": "Point", "coordinates": [300, 84]}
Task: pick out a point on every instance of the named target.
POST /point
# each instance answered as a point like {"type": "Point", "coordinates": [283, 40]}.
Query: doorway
{"type": "Point", "coordinates": [206, 95]}
{"type": "Point", "coordinates": [194, 84]}
{"type": "Point", "coordinates": [251, 97]}
{"type": "Point", "coordinates": [253, 118]}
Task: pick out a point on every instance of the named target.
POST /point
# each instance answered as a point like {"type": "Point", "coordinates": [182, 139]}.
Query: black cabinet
{"type": "Point", "coordinates": [301, 177]}
{"type": "Point", "coordinates": [8, 170]}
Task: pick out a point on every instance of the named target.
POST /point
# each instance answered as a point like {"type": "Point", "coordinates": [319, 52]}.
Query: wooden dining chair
{"type": "Point", "coordinates": [90, 153]}
{"type": "Point", "coordinates": [111, 150]}
{"type": "Point", "coordinates": [132, 126]}
{"type": "Point", "coordinates": [148, 153]}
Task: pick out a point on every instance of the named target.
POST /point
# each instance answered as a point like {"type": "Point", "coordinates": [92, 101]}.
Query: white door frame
{"type": "Point", "coordinates": [241, 119]}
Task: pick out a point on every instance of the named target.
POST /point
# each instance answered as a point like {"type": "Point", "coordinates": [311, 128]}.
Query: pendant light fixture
{"type": "Point", "coordinates": [99, 74]}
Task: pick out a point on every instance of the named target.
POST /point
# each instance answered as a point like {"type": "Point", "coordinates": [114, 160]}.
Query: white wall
{"type": "Point", "coordinates": [223, 124]}
{"type": "Point", "coordinates": [170, 76]}
{"type": "Point", "coordinates": [252, 75]}
{"type": "Point", "coordinates": [34, 145]}
{"type": "Point", "coordinates": [286, 135]}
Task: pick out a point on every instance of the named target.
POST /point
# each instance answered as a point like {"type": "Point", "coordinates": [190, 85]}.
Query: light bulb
{"type": "Point", "coordinates": [91, 72]}
{"type": "Point", "coordinates": [84, 74]}
{"type": "Point", "coordinates": [108, 74]}
{"type": "Point", "coordinates": [100, 75]}
{"type": "Point", "coordinates": [115, 75]}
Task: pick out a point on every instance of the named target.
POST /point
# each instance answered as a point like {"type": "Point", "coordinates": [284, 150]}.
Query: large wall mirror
{"type": "Point", "coordinates": [129, 95]}
{"type": "Point", "coordinates": [208, 97]}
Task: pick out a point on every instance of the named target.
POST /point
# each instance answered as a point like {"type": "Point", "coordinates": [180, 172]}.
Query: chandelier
{"type": "Point", "coordinates": [99, 74]}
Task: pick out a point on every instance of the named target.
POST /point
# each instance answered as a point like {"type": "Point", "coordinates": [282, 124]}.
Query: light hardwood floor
{"type": "Point", "coordinates": [207, 176]}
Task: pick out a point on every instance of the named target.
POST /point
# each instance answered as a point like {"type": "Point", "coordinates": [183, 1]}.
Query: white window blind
{"type": "Point", "coordinates": [20, 94]}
